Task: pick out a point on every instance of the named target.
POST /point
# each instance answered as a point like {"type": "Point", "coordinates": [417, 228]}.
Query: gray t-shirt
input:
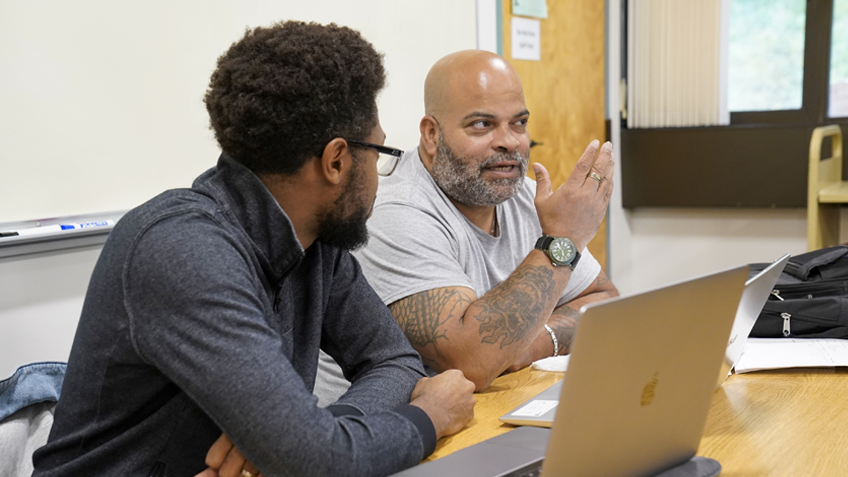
{"type": "Point", "coordinates": [420, 241]}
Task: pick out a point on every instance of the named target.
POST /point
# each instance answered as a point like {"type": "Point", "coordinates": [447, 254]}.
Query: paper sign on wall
{"type": "Point", "coordinates": [526, 41]}
{"type": "Point", "coordinates": [530, 8]}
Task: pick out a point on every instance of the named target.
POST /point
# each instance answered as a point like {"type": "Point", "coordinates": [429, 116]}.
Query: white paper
{"type": "Point", "coordinates": [526, 39]}
{"type": "Point", "coordinates": [536, 408]}
{"type": "Point", "coordinates": [776, 353]}
{"type": "Point", "coordinates": [556, 364]}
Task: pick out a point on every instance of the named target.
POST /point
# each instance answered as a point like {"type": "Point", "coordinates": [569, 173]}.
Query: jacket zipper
{"type": "Point", "coordinates": [278, 296]}
{"type": "Point", "coordinates": [279, 291]}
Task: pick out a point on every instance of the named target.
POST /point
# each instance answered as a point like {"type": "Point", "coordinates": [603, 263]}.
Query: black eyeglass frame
{"type": "Point", "coordinates": [381, 149]}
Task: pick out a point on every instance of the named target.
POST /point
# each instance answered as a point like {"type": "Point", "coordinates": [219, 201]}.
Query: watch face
{"type": "Point", "coordinates": [562, 250]}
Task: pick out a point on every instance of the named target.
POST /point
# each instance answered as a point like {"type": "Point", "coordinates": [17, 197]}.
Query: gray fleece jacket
{"type": "Point", "coordinates": [204, 314]}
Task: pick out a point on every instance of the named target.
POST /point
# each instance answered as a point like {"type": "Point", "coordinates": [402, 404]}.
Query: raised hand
{"type": "Point", "coordinates": [576, 209]}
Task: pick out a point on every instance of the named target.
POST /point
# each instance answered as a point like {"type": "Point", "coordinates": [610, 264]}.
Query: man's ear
{"type": "Point", "coordinates": [336, 161]}
{"type": "Point", "coordinates": [429, 129]}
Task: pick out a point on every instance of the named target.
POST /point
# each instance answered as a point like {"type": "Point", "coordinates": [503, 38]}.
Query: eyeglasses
{"type": "Point", "coordinates": [389, 156]}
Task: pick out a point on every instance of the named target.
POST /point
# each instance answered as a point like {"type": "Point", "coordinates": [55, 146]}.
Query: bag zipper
{"type": "Point", "coordinates": [810, 290]}
{"type": "Point", "coordinates": [785, 317]}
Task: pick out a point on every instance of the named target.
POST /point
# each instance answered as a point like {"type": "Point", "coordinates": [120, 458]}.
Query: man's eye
{"type": "Point", "coordinates": [481, 124]}
{"type": "Point", "coordinates": [522, 122]}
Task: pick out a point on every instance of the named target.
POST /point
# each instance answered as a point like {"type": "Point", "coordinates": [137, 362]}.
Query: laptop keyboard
{"type": "Point", "coordinates": [533, 469]}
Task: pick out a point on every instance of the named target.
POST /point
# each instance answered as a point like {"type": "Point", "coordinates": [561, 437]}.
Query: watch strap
{"type": "Point", "coordinates": [543, 243]}
{"type": "Point", "coordinates": [576, 259]}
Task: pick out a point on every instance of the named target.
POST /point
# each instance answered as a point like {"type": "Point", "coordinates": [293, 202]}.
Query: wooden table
{"type": "Point", "coordinates": [769, 423]}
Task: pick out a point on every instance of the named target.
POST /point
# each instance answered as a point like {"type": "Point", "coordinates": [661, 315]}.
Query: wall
{"type": "Point", "coordinates": [102, 109]}
{"type": "Point", "coordinates": [652, 247]}
{"type": "Point", "coordinates": [102, 101]}
{"type": "Point", "coordinates": [40, 301]}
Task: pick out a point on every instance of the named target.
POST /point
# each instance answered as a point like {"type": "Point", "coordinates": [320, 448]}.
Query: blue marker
{"type": "Point", "coordinates": [88, 225]}
{"type": "Point", "coordinates": [49, 229]}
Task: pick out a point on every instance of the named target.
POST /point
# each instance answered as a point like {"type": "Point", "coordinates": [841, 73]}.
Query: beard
{"type": "Point", "coordinates": [342, 225]}
{"type": "Point", "coordinates": [461, 179]}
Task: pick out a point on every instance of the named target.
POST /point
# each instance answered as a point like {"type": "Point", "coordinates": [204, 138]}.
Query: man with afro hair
{"type": "Point", "coordinates": [208, 306]}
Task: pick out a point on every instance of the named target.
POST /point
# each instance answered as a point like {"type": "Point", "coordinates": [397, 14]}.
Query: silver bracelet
{"type": "Point", "coordinates": [553, 337]}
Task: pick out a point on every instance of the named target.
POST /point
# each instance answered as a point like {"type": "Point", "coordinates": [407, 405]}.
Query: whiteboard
{"type": "Point", "coordinates": [101, 102]}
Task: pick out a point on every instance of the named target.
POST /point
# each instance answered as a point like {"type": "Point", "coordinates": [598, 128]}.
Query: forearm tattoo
{"type": "Point", "coordinates": [565, 318]}
{"type": "Point", "coordinates": [511, 310]}
{"type": "Point", "coordinates": [422, 315]}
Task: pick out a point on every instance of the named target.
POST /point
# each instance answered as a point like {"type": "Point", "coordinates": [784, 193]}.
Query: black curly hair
{"type": "Point", "coordinates": [281, 93]}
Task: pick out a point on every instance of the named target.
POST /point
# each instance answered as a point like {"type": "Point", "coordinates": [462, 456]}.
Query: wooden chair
{"type": "Point", "coordinates": [826, 191]}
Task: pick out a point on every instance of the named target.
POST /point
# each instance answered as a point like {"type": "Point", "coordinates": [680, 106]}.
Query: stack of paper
{"type": "Point", "coordinates": [775, 353]}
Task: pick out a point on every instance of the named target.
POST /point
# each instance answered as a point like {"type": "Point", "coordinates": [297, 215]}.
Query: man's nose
{"type": "Point", "coordinates": [505, 139]}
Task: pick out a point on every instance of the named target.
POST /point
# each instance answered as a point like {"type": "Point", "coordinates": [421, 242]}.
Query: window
{"type": "Point", "coordinates": [788, 74]}
{"type": "Point", "coordinates": [838, 90]}
{"type": "Point", "coordinates": [766, 55]}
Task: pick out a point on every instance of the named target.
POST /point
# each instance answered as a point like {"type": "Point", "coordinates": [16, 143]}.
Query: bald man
{"type": "Point", "coordinates": [459, 243]}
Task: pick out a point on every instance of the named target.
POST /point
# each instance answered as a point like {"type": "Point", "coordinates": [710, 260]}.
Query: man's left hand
{"type": "Point", "coordinates": [225, 460]}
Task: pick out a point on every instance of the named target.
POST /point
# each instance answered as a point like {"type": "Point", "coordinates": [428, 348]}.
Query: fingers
{"type": "Point", "coordinates": [225, 460]}
{"type": "Point", "coordinates": [584, 164]}
{"type": "Point", "coordinates": [218, 452]}
{"type": "Point", "coordinates": [233, 464]}
{"type": "Point", "coordinates": [605, 163]}
{"type": "Point", "coordinates": [447, 399]}
{"type": "Point", "coordinates": [251, 469]}
{"type": "Point", "coordinates": [543, 181]}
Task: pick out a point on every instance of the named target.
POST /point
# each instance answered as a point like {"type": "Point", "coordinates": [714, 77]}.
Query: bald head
{"type": "Point", "coordinates": [467, 74]}
{"type": "Point", "coordinates": [475, 118]}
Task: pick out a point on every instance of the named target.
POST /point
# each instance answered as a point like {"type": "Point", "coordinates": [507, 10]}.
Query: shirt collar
{"type": "Point", "coordinates": [248, 203]}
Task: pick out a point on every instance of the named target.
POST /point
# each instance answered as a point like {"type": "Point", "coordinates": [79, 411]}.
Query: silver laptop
{"type": "Point", "coordinates": [757, 290]}
{"type": "Point", "coordinates": [635, 398]}
{"type": "Point", "coordinates": [540, 410]}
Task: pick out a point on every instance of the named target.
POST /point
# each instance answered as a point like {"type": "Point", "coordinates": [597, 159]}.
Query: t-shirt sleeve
{"type": "Point", "coordinates": [410, 251]}
{"type": "Point", "coordinates": [582, 277]}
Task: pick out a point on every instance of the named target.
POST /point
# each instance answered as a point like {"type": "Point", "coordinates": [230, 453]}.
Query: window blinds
{"type": "Point", "coordinates": [677, 63]}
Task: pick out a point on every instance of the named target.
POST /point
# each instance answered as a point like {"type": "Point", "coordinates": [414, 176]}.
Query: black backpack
{"type": "Point", "coordinates": [810, 299]}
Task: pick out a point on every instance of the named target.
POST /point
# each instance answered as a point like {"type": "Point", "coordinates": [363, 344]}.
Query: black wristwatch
{"type": "Point", "coordinates": [560, 250]}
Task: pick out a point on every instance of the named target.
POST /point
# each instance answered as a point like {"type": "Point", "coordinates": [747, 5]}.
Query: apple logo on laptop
{"type": "Point", "coordinates": [648, 391]}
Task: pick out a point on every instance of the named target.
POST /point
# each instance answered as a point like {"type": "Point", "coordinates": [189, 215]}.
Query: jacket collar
{"type": "Point", "coordinates": [246, 202]}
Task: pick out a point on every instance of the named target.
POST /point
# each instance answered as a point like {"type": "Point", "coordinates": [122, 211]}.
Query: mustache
{"type": "Point", "coordinates": [497, 157]}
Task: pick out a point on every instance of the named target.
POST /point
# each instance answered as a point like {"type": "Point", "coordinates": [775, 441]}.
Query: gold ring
{"type": "Point", "coordinates": [595, 176]}
{"type": "Point", "coordinates": [246, 473]}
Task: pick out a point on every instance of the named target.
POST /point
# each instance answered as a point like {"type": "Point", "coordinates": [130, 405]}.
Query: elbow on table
{"type": "Point", "coordinates": [482, 376]}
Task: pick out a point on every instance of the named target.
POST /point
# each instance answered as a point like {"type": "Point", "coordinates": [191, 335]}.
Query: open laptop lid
{"type": "Point", "coordinates": [637, 392]}
{"type": "Point", "coordinates": [757, 290]}
{"type": "Point", "coordinates": [541, 409]}
{"type": "Point", "coordinates": [641, 377]}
